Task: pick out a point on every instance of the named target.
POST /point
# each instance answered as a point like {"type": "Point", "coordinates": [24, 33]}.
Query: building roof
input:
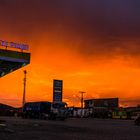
{"type": "Point", "coordinates": [101, 99]}
{"type": "Point", "coordinates": [5, 107]}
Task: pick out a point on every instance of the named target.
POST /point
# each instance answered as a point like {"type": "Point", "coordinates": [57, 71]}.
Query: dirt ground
{"type": "Point", "coordinates": [71, 129]}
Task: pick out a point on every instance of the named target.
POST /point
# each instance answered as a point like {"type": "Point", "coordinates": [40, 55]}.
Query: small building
{"type": "Point", "coordinates": [103, 107]}
{"type": "Point", "coordinates": [109, 103]}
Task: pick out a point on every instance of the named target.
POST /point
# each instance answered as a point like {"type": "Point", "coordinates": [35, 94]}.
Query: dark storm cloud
{"type": "Point", "coordinates": [100, 26]}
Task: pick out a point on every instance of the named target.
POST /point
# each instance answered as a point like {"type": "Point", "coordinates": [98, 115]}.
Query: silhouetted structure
{"type": "Point", "coordinates": [12, 60]}
{"type": "Point", "coordinates": [57, 90]}
{"type": "Point", "coordinates": [82, 99]}
{"type": "Point", "coordinates": [44, 110]}
{"type": "Point", "coordinates": [110, 103]}
{"type": "Point", "coordinates": [24, 88]}
{"type": "Point", "coordinates": [6, 110]}
{"type": "Point", "coordinates": [102, 108]}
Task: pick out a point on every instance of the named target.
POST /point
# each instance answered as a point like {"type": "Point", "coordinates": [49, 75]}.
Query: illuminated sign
{"type": "Point", "coordinates": [57, 90]}
{"type": "Point", "coordinates": [14, 45]}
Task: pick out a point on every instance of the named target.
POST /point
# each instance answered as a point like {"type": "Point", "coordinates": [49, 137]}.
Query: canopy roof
{"type": "Point", "coordinates": [12, 60]}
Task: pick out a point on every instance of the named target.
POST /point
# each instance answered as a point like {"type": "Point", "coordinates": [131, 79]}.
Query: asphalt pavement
{"type": "Point", "coordinates": [12, 128]}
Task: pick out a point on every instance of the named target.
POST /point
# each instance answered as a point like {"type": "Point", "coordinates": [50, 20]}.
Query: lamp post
{"type": "Point", "coordinates": [24, 89]}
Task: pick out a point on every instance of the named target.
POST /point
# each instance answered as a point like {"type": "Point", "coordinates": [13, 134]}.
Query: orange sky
{"type": "Point", "coordinates": [88, 49]}
{"type": "Point", "coordinates": [102, 77]}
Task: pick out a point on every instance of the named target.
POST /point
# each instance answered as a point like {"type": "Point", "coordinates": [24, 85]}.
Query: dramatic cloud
{"type": "Point", "coordinates": [91, 27]}
{"type": "Point", "coordinates": [90, 44]}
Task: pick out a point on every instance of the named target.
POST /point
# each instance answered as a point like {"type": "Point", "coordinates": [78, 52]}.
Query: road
{"type": "Point", "coordinates": [71, 129]}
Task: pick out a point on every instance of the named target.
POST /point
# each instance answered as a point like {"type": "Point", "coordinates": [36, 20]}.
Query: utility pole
{"type": "Point", "coordinates": [82, 99]}
{"type": "Point", "coordinates": [24, 88]}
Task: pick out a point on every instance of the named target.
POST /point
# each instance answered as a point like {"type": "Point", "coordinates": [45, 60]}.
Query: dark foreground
{"type": "Point", "coordinates": [71, 129]}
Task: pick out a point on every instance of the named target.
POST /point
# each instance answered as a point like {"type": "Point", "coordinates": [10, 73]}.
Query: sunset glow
{"type": "Point", "coordinates": [96, 55]}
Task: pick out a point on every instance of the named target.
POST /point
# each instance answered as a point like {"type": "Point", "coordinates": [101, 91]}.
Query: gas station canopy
{"type": "Point", "coordinates": [12, 60]}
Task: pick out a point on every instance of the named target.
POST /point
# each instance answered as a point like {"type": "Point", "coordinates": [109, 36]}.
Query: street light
{"type": "Point", "coordinates": [24, 88]}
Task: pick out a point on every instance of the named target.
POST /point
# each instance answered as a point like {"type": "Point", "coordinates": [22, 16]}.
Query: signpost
{"type": "Point", "coordinates": [57, 90]}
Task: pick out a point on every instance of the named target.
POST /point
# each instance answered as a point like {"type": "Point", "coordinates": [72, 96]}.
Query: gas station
{"type": "Point", "coordinates": [10, 59]}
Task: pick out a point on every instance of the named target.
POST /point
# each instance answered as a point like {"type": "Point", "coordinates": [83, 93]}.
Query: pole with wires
{"type": "Point", "coordinates": [82, 99]}
{"type": "Point", "coordinates": [24, 88]}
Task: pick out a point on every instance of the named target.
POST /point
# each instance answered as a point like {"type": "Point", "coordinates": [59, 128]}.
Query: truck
{"type": "Point", "coordinates": [45, 110]}
{"type": "Point", "coordinates": [58, 110]}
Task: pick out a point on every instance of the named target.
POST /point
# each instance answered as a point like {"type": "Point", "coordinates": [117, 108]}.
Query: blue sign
{"type": "Point", "coordinates": [57, 90]}
{"type": "Point", "coordinates": [14, 45]}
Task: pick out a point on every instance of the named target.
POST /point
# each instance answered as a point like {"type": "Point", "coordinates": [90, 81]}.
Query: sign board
{"type": "Point", "coordinates": [14, 45]}
{"type": "Point", "coordinates": [57, 90]}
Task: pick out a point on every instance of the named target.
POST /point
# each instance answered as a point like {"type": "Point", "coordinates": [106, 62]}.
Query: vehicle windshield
{"type": "Point", "coordinates": [59, 105]}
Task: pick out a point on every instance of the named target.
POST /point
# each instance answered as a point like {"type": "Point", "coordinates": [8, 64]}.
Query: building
{"type": "Point", "coordinates": [102, 108]}
{"type": "Point", "coordinates": [109, 103]}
